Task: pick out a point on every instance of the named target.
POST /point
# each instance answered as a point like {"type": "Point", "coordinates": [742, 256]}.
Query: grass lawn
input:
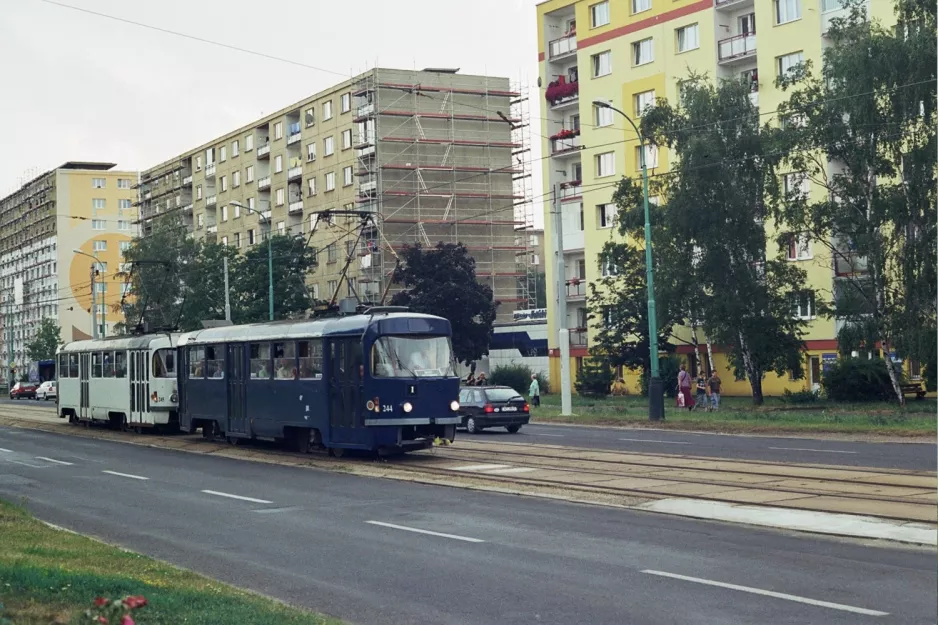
{"type": "Point", "coordinates": [737, 414]}
{"type": "Point", "coordinates": [51, 576]}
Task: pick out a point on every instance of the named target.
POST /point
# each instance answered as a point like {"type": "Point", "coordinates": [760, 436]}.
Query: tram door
{"type": "Point", "coordinates": [84, 373]}
{"type": "Point", "coordinates": [345, 390]}
{"type": "Point", "coordinates": [237, 391]}
{"type": "Point", "coordinates": [139, 386]}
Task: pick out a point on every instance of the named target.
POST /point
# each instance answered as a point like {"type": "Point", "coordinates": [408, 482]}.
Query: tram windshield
{"type": "Point", "coordinates": [409, 357]}
{"type": "Point", "coordinates": [164, 363]}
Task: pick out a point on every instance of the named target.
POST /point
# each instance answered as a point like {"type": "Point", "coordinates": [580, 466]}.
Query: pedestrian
{"type": "Point", "coordinates": [685, 399]}
{"type": "Point", "coordinates": [535, 391]}
{"type": "Point", "coordinates": [471, 380]}
{"type": "Point", "coordinates": [701, 399]}
{"type": "Point", "coordinates": [716, 387]}
{"type": "Point", "coordinates": [481, 381]}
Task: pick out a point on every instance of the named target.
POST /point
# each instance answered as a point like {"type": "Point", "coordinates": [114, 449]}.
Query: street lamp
{"type": "Point", "coordinates": [655, 385]}
{"type": "Point", "coordinates": [94, 293]}
{"type": "Point", "coordinates": [270, 258]}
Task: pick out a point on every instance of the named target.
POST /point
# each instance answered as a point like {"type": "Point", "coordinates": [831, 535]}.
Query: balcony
{"type": "Point", "coordinates": [850, 265]}
{"type": "Point", "coordinates": [561, 94]}
{"type": "Point", "coordinates": [263, 183]}
{"type": "Point", "coordinates": [578, 337]}
{"type": "Point", "coordinates": [294, 138]}
{"type": "Point", "coordinates": [296, 206]}
{"type": "Point", "coordinates": [365, 110]}
{"type": "Point", "coordinates": [565, 143]}
{"type": "Point", "coordinates": [295, 172]}
{"type": "Point", "coordinates": [187, 208]}
{"type": "Point", "coordinates": [732, 5]}
{"type": "Point", "coordinates": [571, 190]}
{"type": "Point", "coordinates": [562, 48]}
{"type": "Point", "coordinates": [576, 288]}
{"type": "Point", "coordinates": [736, 49]}
{"type": "Point", "coordinates": [210, 170]}
{"type": "Point", "coordinates": [263, 151]}
{"type": "Point", "coordinates": [212, 230]}
{"type": "Point", "coordinates": [211, 200]}
{"type": "Point", "coordinates": [187, 181]}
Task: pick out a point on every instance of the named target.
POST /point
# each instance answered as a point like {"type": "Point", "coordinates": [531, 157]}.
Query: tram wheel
{"type": "Point", "coordinates": [208, 431]}
{"type": "Point", "coordinates": [233, 440]}
{"type": "Point", "coordinates": [336, 452]}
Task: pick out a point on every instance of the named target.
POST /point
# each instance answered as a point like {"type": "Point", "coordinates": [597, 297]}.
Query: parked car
{"type": "Point", "coordinates": [23, 389]}
{"type": "Point", "coordinates": [47, 390]}
{"type": "Point", "coordinates": [492, 406]}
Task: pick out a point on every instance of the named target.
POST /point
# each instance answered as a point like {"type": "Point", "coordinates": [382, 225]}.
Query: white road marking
{"type": "Point", "coordinates": [539, 434]}
{"type": "Point", "coordinates": [6, 451]}
{"type": "Point", "coordinates": [230, 496]}
{"type": "Point", "coordinates": [512, 470]}
{"type": "Point", "coordinates": [479, 467]}
{"type": "Point", "coordinates": [68, 464]}
{"type": "Point", "coordinates": [26, 464]}
{"type": "Point", "coordinates": [769, 593]}
{"type": "Point", "coordinates": [820, 451]}
{"type": "Point", "coordinates": [133, 477]}
{"type": "Point", "coordinates": [648, 440]}
{"type": "Point", "coordinates": [428, 532]}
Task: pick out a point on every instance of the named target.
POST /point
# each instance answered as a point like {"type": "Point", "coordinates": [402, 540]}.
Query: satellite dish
{"type": "Point", "coordinates": [538, 82]}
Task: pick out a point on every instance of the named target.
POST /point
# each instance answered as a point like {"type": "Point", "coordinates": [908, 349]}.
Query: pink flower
{"type": "Point", "coordinates": [101, 619]}
{"type": "Point", "coordinates": [135, 602]}
{"type": "Point", "coordinates": [127, 620]}
{"type": "Point", "coordinates": [100, 601]}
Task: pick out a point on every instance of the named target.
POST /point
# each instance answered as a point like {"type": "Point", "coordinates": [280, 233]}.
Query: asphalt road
{"type": "Point", "coordinates": [385, 552]}
{"type": "Point", "coordinates": [912, 456]}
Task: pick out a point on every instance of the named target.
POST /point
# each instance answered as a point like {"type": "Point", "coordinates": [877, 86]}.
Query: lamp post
{"type": "Point", "coordinates": [655, 384]}
{"type": "Point", "coordinates": [94, 293]}
{"type": "Point", "coordinates": [270, 258]}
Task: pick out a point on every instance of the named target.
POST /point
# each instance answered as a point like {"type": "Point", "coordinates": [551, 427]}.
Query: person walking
{"type": "Point", "coordinates": [685, 399]}
{"type": "Point", "coordinates": [535, 391]}
{"type": "Point", "coordinates": [716, 387]}
{"type": "Point", "coordinates": [701, 399]}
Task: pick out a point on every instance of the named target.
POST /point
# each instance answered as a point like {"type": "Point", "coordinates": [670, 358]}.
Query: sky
{"type": "Point", "coordinates": [83, 87]}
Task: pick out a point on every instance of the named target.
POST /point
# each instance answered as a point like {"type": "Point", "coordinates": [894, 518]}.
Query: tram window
{"type": "Point", "coordinates": [120, 364]}
{"type": "Point", "coordinates": [196, 356]}
{"type": "Point", "coordinates": [73, 365]}
{"type": "Point", "coordinates": [62, 366]}
{"type": "Point", "coordinates": [96, 359]}
{"type": "Point", "coordinates": [412, 356]}
{"type": "Point", "coordinates": [214, 365]}
{"type": "Point", "coordinates": [109, 364]}
{"type": "Point", "coordinates": [164, 363]}
{"type": "Point", "coordinates": [260, 361]}
{"type": "Point", "coordinates": [285, 360]}
{"type": "Point", "coordinates": [310, 359]}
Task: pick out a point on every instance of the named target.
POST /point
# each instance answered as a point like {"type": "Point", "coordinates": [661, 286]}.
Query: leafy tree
{"type": "Point", "coordinates": [292, 261]}
{"type": "Point", "coordinates": [47, 339]}
{"type": "Point", "coordinates": [865, 131]}
{"type": "Point", "coordinates": [716, 210]}
{"type": "Point", "coordinates": [205, 284]}
{"type": "Point", "coordinates": [595, 378]}
{"type": "Point", "coordinates": [442, 281]}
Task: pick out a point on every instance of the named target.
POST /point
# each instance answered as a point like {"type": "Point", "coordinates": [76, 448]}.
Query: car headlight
{"type": "Point", "coordinates": [407, 406]}
{"type": "Point", "coordinates": [454, 405]}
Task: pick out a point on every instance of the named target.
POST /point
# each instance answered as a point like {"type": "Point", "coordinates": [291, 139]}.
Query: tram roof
{"type": "Point", "coordinates": [399, 322]}
{"type": "Point", "coordinates": [142, 341]}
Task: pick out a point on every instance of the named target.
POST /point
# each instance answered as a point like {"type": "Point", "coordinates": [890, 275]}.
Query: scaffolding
{"type": "Point", "coordinates": [444, 157]}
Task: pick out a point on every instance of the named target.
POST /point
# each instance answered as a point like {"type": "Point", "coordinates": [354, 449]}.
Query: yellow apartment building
{"type": "Point", "coordinates": [628, 53]}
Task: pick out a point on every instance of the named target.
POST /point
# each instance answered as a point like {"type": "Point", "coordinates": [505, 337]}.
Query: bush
{"type": "Point", "coordinates": [667, 369]}
{"type": "Point", "coordinates": [799, 397]}
{"type": "Point", "coordinates": [594, 379]}
{"type": "Point", "coordinates": [858, 380]}
{"type": "Point", "coordinates": [518, 377]}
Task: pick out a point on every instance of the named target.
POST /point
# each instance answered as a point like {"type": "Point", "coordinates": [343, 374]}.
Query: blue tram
{"type": "Point", "coordinates": [381, 381]}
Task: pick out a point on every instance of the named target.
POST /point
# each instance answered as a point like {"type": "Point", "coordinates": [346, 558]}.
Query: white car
{"type": "Point", "coordinates": [47, 390]}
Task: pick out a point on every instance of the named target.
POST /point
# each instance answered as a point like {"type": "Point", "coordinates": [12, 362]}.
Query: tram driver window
{"type": "Point", "coordinates": [120, 364]}
{"type": "Point", "coordinates": [73, 365]}
{"type": "Point", "coordinates": [310, 360]}
{"type": "Point", "coordinates": [164, 363]}
{"type": "Point", "coordinates": [260, 361]}
{"type": "Point", "coordinates": [96, 359]}
{"type": "Point", "coordinates": [214, 364]}
{"type": "Point", "coordinates": [285, 360]}
{"type": "Point", "coordinates": [196, 366]}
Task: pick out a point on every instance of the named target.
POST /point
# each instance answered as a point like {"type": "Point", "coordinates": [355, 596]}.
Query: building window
{"type": "Point", "coordinates": [100, 287]}
{"type": "Point", "coordinates": [310, 152]}
{"type": "Point", "coordinates": [124, 204]}
{"type": "Point", "coordinates": [606, 215]}
{"type": "Point", "coordinates": [123, 183]}
{"type": "Point", "coordinates": [237, 239]}
{"type": "Point", "coordinates": [605, 164]}
{"type": "Point", "coordinates": [98, 203]}
{"type": "Point", "coordinates": [125, 245]}
{"type": "Point", "coordinates": [123, 224]}
{"type": "Point", "coordinates": [249, 174]}
{"type": "Point", "coordinates": [796, 185]}
{"type": "Point", "coordinates": [643, 101]}
{"type": "Point", "coordinates": [251, 236]}
{"type": "Point", "coordinates": [688, 38]}
{"type": "Point", "coordinates": [223, 153]}
{"type": "Point", "coordinates": [310, 116]}
{"type": "Point", "coordinates": [278, 131]}
{"type": "Point", "coordinates": [802, 304]}
{"type": "Point", "coordinates": [224, 212]}
{"type": "Point", "coordinates": [279, 196]}
{"type": "Point", "coordinates": [332, 255]}
{"type": "Point", "coordinates": [346, 139]}
{"type": "Point", "coordinates": [281, 228]}
{"type": "Point", "coordinates": [643, 51]}
{"type": "Point", "coordinates": [251, 203]}
{"type": "Point", "coordinates": [799, 247]}
{"type": "Point", "coordinates": [346, 102]}
{"type": "Point", "coordinates": [787, 11]}
{"type": "Point", "coordinates": [328, 146]}
{"type": "Point", "coordinates": [788, 62]}
{"type": "Point", "coordinates": [100, 246]}
{"type": "Point", "coordinates": [101, 267]}
{"type": "Point", "coordinates": [200, 221]}
{"type": "Point", "coordinates": [97, 183]}
{"type": "Point", "coordinates": [224, 183]}
{"type": "Point", "coordinates": [237, 210]}
{"type": "Point", "coordinates": [224, 240]}
{"type": "Point", "coordinates": [602, 64]}
{"type": "Point", "coordinates": [236, 178]}
{"type": "Point", "coordinates": [311, 187]}
{"type": "Point", "coordinates": [332, 286]}
{"type": "Point", "coordinates": [640, 5]}
{"type": "Point", "coordinates": [198, 192]}
{"type": "Point", "coordinates": [599, 14]}
{"type": "Point", "coordinates": [346, 176]}
{"type": "Point", "coordinates": [278, 164]}
{"type": "Point", "coordinates": [234, 148]}
{"type": "Point", "coordinates": [651, 157]}
{"type": "Point", "coordinates": [248, 143]}
{"type": "Point", "coordinates": [330, 181]}
{"type": "Point", "coordinates": [198, 163]}
{"type": "Point", "coordinates": [327, 110]}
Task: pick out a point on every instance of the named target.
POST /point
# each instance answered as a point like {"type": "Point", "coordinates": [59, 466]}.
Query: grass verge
{"type": "Point", "coordinates": [52, 576]}
{"type": "Point", "coordinates": [737, 414]}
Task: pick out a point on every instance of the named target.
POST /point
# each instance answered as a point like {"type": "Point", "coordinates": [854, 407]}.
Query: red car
{"type": "Point", "coordinates": [23, 389]}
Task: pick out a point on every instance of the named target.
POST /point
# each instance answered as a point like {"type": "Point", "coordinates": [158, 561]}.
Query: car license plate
{"type": "Point", "coordinates": [509, 409]}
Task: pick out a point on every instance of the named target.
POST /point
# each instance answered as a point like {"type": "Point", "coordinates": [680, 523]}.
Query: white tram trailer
{"type": "Point", "coordinates": [126, 381]}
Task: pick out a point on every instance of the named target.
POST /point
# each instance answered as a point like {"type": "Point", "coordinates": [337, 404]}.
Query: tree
{"type": "Point", "coordinates": [47, 339]}
{"type": "Point", "coordinates": [865, 131]}
{"type": "Point", "coordinates": [715, 211]}
{"type": "Point", "coordinates": [442, 281]}
{"type": "Point", "coordinates": [205, 285]}
{"type": "Point", "coordinates": [292, 261]}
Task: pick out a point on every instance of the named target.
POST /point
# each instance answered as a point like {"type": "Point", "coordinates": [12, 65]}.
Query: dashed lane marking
{"type": "Point", "coordinates": [428, 532]}
{"type": "Point", "coordinates": [820, 451]}
{"type": "Point", "coordinates": [239, 497]}
{"type": "Point", "coordinates": [119, 474]}
{"type": "Point", "coordinates": [54, 461]}
{"type": "Point", "coordinates": [480, 467]}
{"type": "Point", "coordinates": [648, 440]}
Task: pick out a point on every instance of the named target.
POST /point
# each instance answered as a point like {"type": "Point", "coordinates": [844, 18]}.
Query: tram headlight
{"type": "Point", "coordinates": [454, 405]}
{"type": "Point", "coordinates": [407, 406]}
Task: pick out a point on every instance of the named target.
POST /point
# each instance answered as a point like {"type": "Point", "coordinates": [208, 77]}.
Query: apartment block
{"type": "Point", "coordinates": [628, 53]}
{"type": "Point", "coordinates": [82, 206]}
{"type": "Point", "coordinates": [385, 159]}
